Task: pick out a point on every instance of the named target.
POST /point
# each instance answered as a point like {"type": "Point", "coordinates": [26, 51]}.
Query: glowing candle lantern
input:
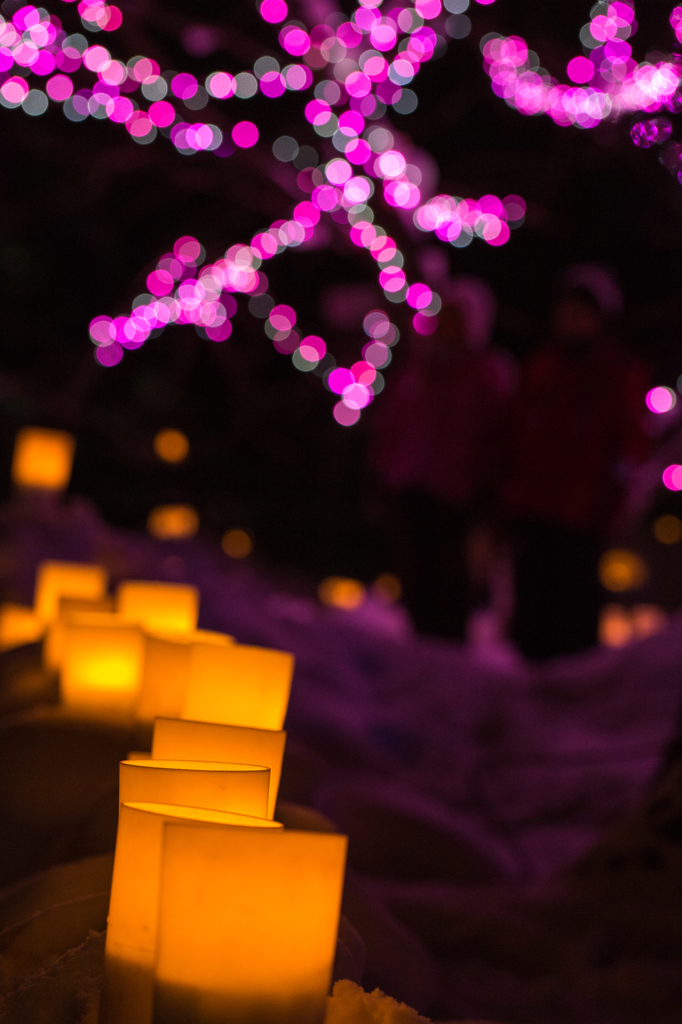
{"type": "Point", "coordinates": [19, 625]}
{"type": "Point", "coordinates": [165, 675]}
{"type": "Point", "coordinates": [71, 609]}
{"type": "Point", "coordinates": [101, 664]}
{"type": "Point", "coordinates": [217, 786]}
{"type": "Point", "coordinates": [248, 921]}
{"type": "Point", "coordinates": [210, 741]}
{"type": "Point", "coordinates": [43, 458]}
{"type": "Point", "coordinates": [133, 909]}
{"type": "Point", "coordinates": [172, 607]}
{"type": "Point", "coordinates": [239, 685]}
{"type": "Point", "coordinates": [55, 580]}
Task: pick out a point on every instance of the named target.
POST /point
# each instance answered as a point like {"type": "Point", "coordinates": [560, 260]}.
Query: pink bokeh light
{"type": "Point", "coordinates": [344, 415]}
{"type": "Point", "coordinates": [295, 41]}
{"type": "Point", "coordinates": [162, 113]}
{"type": "Point", "coordinates": [339, 379]}
{"type": "Point", "coordinates": [184, 86]}
{"type": "Point", "coordinates": [273, 11]}
{"type": "Point", "coordinates": [59, 88]}
{"type": "Point", "coordinates": [661, 400]}
{"type": "Point", "coordinates": [109, 355]}
{"type": "Point", "coordinates": [424, 324]}
{"type": "Point", "coordinates": [245, 134]}
{"type": "Point", "coordinates": [313, 348]}
{"type": "Point", "coordinates": [283, 318]}
{"type": "Point", "coordinates": [672, 477]}
{"type": "Point", "coordinates": [580, 70]}
{"type": "Point", "coordinates": [428, 8]}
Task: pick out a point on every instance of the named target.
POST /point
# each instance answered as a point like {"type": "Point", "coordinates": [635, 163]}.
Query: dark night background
{"type": "Point", "coordinates": [85, 213]}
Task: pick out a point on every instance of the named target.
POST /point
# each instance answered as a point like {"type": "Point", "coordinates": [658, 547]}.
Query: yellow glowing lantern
{"type": "Point", "coordinates": [171, 445]}
{"type": "Point", "coordinates": [173, 522]}
{"type": "Point", "coordinates": [341, 592]}
{"type": "Point", "coordinates": [19, 625]}
{"type": "Point", "coordinates": [133, 909]}
{"type": "Point", "coordinates": [165, 675]}
{"type": "Point", "coordinates": [43, 458]}
{"type": "Point", "coordinates": [238, 685]}
{"type": "Point", "coordinates": [215, 785]}
{"type": "Point", "coordinates": [71, 609]}
{"type": "Point", "coordinates": [55, 580]}
{"type": "Point", "coordinates": [210, 741]}
{"type": "Point", "coordinates": [164, 607]}
{"type": "Point", "coordinates": [237, 543]}
{"type": "Point", "coordinates": [101, 665]}
{"type": "Point", "coordinates": [248, 921]}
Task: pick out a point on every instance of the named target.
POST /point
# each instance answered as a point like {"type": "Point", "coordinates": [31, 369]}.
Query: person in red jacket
{"type": "Point", "coordinates": [575, 433]}
{"type": "Point", "coordinates": [435, 449]}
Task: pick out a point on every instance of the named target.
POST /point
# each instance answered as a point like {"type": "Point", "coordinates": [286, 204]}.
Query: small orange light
{"type": "Point", "coordinates": [648, 620]}
{"type": "Point", "coordinates": [341, 592]}
{"type": "Point", "coordinates": [237, 543]}
{"type": "Point", "coordinates": [173, 522]}
{"type": "Point", "coordinates": [620, 570]}
{"type": "Point", "coordinates": [668, 529]}
{"type": "Point", "coordinates": [171, 445]}
{"type": "Point", "coordinates": [615, 626]}
{"type": "Point", "coordinates": [387, 587]}
{"type": "Point", "coordinates": [43, 458]}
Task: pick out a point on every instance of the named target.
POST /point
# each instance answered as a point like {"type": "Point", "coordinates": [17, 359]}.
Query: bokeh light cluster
{"type": "Point", "coordinates": [367, 63]}
{"type": "Point", "coordinates": [35, 41]}
{"type": "Point", "coordinates": [458, 221]}
{"type": "Point", "coordinates": [180, 293]}
{"type": "Point", "coordinates": [608, 81]}
{"type": "Point", "coordinates": [620, 625]}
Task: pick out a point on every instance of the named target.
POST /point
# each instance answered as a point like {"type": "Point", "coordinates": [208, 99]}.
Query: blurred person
{"type": "Point", "coordinates": [575, 437]}
{"type": "Point", "coordinates": [434, 452]}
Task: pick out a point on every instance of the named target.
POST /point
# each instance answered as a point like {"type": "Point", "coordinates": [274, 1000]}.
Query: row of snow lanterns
{"type": "Point", "coordinates": [217, 911]}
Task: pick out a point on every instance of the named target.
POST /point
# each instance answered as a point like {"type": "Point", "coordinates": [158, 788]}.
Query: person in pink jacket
{"type": "Point", "coordinates": [435, 453]}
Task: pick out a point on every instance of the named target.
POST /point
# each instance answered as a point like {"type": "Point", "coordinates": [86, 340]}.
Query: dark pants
{"type": "Point", "coordinates": [429, 553]}
{"type": "Point", "coordinates": [557, 589]}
